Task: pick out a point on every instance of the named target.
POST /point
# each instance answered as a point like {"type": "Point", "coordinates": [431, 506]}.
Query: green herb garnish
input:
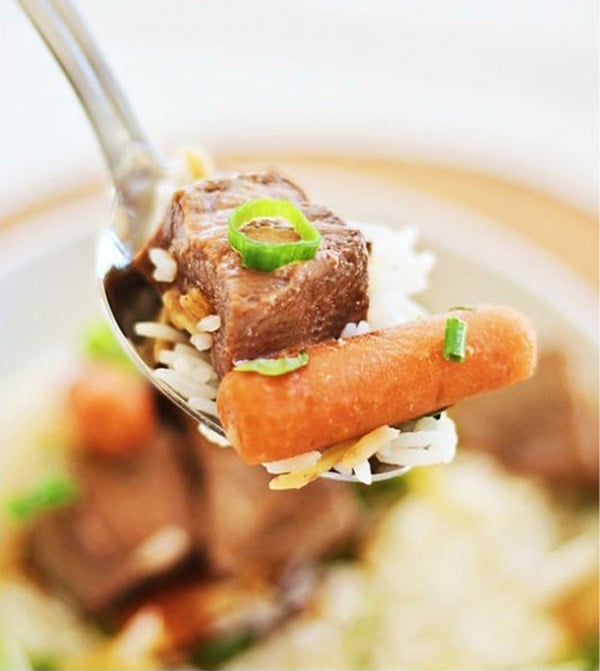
{"type": "Point", "coordinates": [54, 492]}
{"type": "Point", "coordinates": [42, 662]}
{"type": "Point", "coordinates": [211, 654]}
{"type": "Point", "coordinates": [455, 340]}
{"type": "Point", "coordinates": [587, 654]}
{"type": "Point", "coordinates": [267, 256]}
{"type": "Point", "coordinates": [273, 367]}
{"type": "Point", "coordinates": [99, 343]}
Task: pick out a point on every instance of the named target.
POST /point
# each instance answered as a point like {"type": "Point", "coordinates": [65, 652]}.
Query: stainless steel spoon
{"type": "Point", "coordinates": [139, 178]}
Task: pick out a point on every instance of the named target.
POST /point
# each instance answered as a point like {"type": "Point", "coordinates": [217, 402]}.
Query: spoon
{"type": "Point", "coordinates": [140, 181]}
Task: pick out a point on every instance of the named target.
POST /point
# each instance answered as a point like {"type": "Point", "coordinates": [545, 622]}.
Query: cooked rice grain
{"type": "Point", "coordinates": [363, 474]}
{"type": "Point", "coordinates": [203, 405]}
{"type": "Point", "coordinates": [201, 341]}
{"type": "Point", "coordinates": [304, 460]}
{"type": "Point", "coordinates": [430, 442]}
{"type": "Point", "coordinates": [165, 266]}
{"type": "Point", "coordinates": [353, 329]}
{"type": "Point", "coordinates": [209, 324]}
{"type": "Point", "coordinates": [159, 331]}
{"type": "Point", "coordinates": [184, 384]}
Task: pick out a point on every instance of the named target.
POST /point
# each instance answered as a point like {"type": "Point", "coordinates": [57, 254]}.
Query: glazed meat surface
{"type": "Point", "coordinates": [542, 427]}
{"type": "Point", "coordinates": [251, 528]}
{"type": "Point", "coordinates": [181, 504]}
{"type": "Point", "coordinates": [262, 313]}
{"type": "Point", "coordinates": [110, 541]}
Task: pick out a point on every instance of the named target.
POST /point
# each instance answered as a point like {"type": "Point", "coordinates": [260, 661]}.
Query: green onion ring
{"type": "Point", "coordinates": [267, 256]}
{"type": "Point", "coordinates": [53, 492]}
{"type": "Point", "coordinates": [273, 367]}
{"type": "Point", "coordinates": [455, 340]}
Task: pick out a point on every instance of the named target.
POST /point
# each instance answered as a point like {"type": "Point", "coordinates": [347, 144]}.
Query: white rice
{"type": "Point", "coordinates": [159, 331]}
{"type": "Point", "coordinates": [192, 353]}
{"type": "Point", "coordinates": [201, 341]}
{"type": "Point", "coordinates": [140, 638]}
{"type": "Point", "coordinates": [342, 469]}
{"type": "Point", "coordinates": [351, 329]}
{"type": "Point", "coordinates": [304, 460]}
{"type": "Point", "coordinates": [181, 360]}
{"type": "Point", "coordinates": [165, 266]}
{"type": "Point", "coordinates": [184, 384]}
{"type": "Point", "coordinates": [396, 272]}
{"type": "Point", "coordinates": [213, 436]}
{"type": "Point", "coordinates": [203, 405]}
{"type": "Point", "coordinates": [162, 548]}
{"type": "Point", "coordinates": [430, 442]}
{"type": "Point", "coordinates": [209, 324]}
{"type": "Point", "coordinates": [362, 471]}
{"type": "Point", "coordinates": [201, 371]}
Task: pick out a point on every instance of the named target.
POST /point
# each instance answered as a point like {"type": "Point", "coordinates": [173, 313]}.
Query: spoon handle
{"type": "Point", "coordinates": [123, 143]}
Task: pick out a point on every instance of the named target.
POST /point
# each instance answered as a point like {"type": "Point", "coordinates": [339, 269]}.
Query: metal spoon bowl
{"type": "Point", "coordinates": [140, 179]}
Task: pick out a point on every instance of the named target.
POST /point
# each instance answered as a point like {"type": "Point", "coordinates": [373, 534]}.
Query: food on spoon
{"type": "Point", "coordinates": [352, 386]}
{"type": "Point", "coordinates": [260, 313]}
{"type": "Point", "coordinates": [272, 287]}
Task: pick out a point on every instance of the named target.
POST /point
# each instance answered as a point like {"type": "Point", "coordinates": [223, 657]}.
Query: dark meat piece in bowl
{"type": "Point", "coordinates": [132, 524]}
{"type": "Point", "coordinates": [261, 313]}
{"type": "Point", "coordinates": [543, 427]}
{"type": "Point", "coordinates": [251, 528]}
{"type": "Point", "coordinates": [181, 503]}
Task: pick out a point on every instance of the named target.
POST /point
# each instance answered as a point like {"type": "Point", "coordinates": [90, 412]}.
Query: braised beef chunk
{"type": "Point", "coordinates": [132, 524]}
{"type": "Point", "coordinates": [541, 427]}
{"type": "Point", "coordinates": [251, 528]}
{"type": "Point", "coordinates": [262, 313]}
{"type": "Point", "coordinates": [142, 516]}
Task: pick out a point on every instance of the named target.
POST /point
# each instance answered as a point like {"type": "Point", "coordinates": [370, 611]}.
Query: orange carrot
{"type": "Point", "coordinates": [352, 386]}
{"type": "Point", "coordinates": [113, 409]}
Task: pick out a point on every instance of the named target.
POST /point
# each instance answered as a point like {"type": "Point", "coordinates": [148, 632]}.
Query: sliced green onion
{"type": "Point", "coordinates": [455, 340]}
{"type": "Point", "coordinates": [267, 256]}
{"type": "Point", "coordinates": [44, 662]}
{"type": "Point", "coordinates": [99, 343]}
{"type": "Point", "coordinates": [211, 654]}
{"type": "Point", "coordinates": [56, 491]}
{"type": "Point", "coordinates": [273, 367]}
{"type": "Point", "coordinates": [460, 307]}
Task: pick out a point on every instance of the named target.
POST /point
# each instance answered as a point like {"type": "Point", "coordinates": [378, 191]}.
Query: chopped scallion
{"type": "Point", "coordinates": [58, 490]}
{"type": "Point", "coordinates": [211, 654]}
{"type": "Point", "coordinates": [455, 340]}
{"type": "Point", "coordinates": [267, 256]}
{"type": "Point", "coordinates": [273, 367]}
{"type": "Point", "coordinates": [99, 343]}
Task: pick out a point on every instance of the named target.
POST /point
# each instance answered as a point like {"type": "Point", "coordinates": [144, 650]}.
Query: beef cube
{"type": "Point", "coordinates": [250, 527]}
{"type": "Point", "coordinates": [541, 427]}
{"type": "Point", "coordinates": [132, 523]}
{"type": "Point", "coordinates": [262, 313]}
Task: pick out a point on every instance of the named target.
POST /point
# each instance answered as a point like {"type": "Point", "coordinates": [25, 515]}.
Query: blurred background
{"type": "Point", "coordinates": [476, 124]}
{"type": "Point", "coordinates": [506, 87]}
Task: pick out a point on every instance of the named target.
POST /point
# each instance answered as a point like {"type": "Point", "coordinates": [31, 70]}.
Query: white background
{"type": "Point", "coordinates": [507, 86]}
